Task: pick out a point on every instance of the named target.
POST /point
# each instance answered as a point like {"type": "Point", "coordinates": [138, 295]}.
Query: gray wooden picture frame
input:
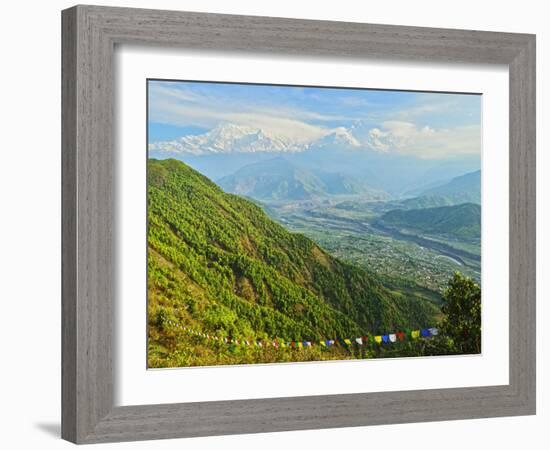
{"type": "Point", "coordinates": [90, 34]}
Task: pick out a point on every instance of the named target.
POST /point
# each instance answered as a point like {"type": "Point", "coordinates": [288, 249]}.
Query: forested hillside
{"type": "Point", "coordinates": [219, 264]}
{"type": "Point", "coordinates": [460, 221]}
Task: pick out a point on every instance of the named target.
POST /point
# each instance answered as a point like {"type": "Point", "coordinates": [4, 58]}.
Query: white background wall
{"type": "Point", "coordinates": [30, 222]}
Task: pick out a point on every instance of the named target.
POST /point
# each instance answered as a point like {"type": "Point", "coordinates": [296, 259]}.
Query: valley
{"type": "Point", "coordinates": [418, 242]}
{"type": "Point", "coordinates": [425, 261]}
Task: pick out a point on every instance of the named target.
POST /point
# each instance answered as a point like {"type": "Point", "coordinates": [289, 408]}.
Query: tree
{"type": "Point", "coordinates": [462, 309]}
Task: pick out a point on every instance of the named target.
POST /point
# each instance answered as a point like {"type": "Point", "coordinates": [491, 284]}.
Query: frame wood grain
{"type": "Point", "coordinates": [90, 34]}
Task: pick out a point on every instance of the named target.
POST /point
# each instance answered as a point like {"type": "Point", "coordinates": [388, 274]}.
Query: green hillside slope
{"type": "Point", "coordinates": [219, 264]}
{"type": "Point", "coordinates": [460, 221]}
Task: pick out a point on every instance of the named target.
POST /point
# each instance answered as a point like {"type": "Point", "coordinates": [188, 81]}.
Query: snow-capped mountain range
{"type": "Point", "coordinates": [231, 138]}
{"type": "Point", "coordinates": [339, 137]}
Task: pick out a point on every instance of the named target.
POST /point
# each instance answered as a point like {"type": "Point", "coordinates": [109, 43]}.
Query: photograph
{"type": "Point", "coordinates": [297, 223]}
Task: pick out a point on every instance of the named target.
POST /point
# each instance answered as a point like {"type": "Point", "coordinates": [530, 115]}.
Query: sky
{"type": "Point", "coordinates": [427, 125]}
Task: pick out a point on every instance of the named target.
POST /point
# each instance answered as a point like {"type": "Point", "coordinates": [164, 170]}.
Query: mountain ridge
{"type": "Point", "coordinates": [462, 189]}
{"type": "Point", "coordinates": [459, 221]}
{"type": "Point", "coordinates": [226, 138]}
{"type": "Point", "coordinates": [230, 138]}
{"type": "Point", "coordinates": [278, 179]}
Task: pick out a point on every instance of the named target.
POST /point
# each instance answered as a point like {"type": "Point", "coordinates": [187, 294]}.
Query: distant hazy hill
{"type": "Point", "coordinates": [459, 221]}
{"type": "Point", "coordinates": [228, 147]}
{"type": "Point", "coordinates": [274, 179]}
{"type": "Point", "coordinates": [463, 189]}
{"type": "Point", "coordinates": [424, 201]}
{"type": "Point", "coordinates": [219, 264]}
{"type": "Point", "coordinates": [278, 179]}
{"type": "Point", "coordinates": [381, 207]}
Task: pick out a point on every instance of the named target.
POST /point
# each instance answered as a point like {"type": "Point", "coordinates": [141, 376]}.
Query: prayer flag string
{"type": "Point", "coordinates": [277, 343]}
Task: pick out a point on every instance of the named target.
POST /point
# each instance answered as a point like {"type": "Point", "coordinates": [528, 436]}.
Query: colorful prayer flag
{"type": "Point", "coordinates": [385, 338]}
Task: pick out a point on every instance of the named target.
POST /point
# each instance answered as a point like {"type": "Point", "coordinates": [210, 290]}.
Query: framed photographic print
{"type": "Point", "coordinates": [278, 224]}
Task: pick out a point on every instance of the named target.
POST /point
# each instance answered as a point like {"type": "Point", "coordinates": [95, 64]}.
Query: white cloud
{"type": "Point", "coordinates": [184, 108]}
{"type": "Point", "coordinates": [427, 108]}
{"type": "Point", "coordinates": [424, 142]}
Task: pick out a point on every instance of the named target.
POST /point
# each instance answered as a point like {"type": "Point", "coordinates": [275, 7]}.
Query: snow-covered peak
{"type": "Point", "coordinates": [232, 138]}
{"type": "Point", "coordinates": [227, 138]}
{"type": "Point", "coordinates": [339, 137]}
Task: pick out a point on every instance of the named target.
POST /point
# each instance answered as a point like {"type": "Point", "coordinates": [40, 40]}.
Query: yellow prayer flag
{"type": "Point", "coordinates": [299, 344]}
{"type": "Point", "coordinates": [347, 341]}
{"type": "Point", "coordinates": [378, 339]}
{"type": "Point", "coordinates": [323, 343]}
{"type": "Point", "coordinates": [415, 334]}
